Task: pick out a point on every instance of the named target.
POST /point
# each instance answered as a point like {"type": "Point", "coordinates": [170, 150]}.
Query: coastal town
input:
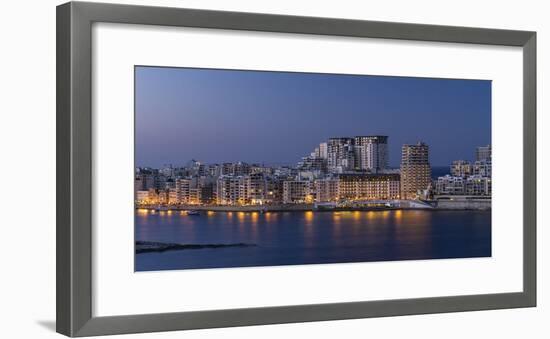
{"type": "Point", "coordinates": [340, 173]}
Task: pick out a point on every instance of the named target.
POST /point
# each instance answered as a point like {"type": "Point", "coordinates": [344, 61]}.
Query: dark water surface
{"type": "Point", "coordinates": [292, 238]}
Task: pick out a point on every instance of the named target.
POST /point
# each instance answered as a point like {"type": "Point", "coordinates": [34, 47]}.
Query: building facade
{"type": "Point", "coordinates": [415, 170]}
{"type": "Point", "coordinates": [368, 186]}
{"type": "Point", "coordinates": [449, 185]}
{"type": "Point", "coordinates": [484, 153]}
{"type": "Point", "coordinates": [298, 192]}
{"type": "Point", "coordinates": [231, 190]}
{"type": "Point", "coordinates": [326, 190]}
{"type": "Point", "coordinates": [461, 168]}
{"type": "Point", "coordinates": [340, 154]}
{"type": "Point", "coordinates": [256, 188]}
{"type": "Point", "coordinates": [371, 153]}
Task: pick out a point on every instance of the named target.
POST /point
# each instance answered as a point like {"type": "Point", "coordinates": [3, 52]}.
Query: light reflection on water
{"type": "Point", "coordinates": [312, 237]}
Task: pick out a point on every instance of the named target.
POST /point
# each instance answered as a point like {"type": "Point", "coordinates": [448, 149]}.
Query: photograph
{"type": "Point", "coordinates": [247, 168]}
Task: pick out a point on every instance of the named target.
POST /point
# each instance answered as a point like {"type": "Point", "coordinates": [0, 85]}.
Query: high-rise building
{"type": "Point", "coordinates": [340, 154]}
{"type": "Point", "coordinates": [371, 153]}
{"type": "Point", "coordinates": [415, 170]}
{"type": "Point", "coordinates": [483, 153]}
{"type": "Point", "coordinates": [323, 150]}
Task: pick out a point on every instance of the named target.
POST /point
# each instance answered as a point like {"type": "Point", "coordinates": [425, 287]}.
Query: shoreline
{"type": "Point", "coordinates": [300, 208]}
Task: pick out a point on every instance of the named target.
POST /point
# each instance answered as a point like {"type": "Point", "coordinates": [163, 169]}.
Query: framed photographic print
{"type": "Point", "coordinates": [223, 169]}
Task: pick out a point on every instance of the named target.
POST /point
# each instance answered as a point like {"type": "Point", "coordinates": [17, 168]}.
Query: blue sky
{"type": "Point", "coordinates": [278, 117]}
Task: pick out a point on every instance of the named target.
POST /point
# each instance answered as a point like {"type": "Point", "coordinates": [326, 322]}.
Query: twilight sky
{"type": "Point", "coordinates": [278, 117]}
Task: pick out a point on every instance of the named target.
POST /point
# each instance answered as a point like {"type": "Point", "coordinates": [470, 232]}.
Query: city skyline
{"type": "Point", "coordinates": [343, 172]}
{"type": "Point", "coordinates": [217, 116]}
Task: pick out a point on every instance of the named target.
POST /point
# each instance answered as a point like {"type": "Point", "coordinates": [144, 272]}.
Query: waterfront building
{"type": "Point", "coordinates": [194, 196]}
{"type": "Point", "coordinates": [326, 189]}
{"type": "Point", "coordinates": [142, 197]}
{"type": "Point", "coordinates": [473, 185]}
{"type": "Point", "coordinates": [256, 188]}
{"type": "Point", "coordinates": [450, 185]}
{"type": "Point", "coordinates": [298, 191]}
{"type": "Point", "coordinates": [162, 196]}
{"type": "Point", "coordinates": [204, 191]}
{"type": "Point", "coordinates": [415, 170]}
{"type": "Point", "coordinates": [275, 190]}
{"type": "Point", "coordinates": [368, 186]}
{"type": "Point", "coordinates": [482, 168]}
{"type": "Point", "coordinates": [231, 190]}
{"type": "Point", "coordinates": [484, 153]}
{"type": "Point", "coordinates": [138, 186]}
{"type": "Point", "coordinates": [153, 196]}
{"type": "Point", "coordinates": [173, 196]}
{"type": "Point", "coordinates": [478, 185]}
{"type": "Point", "coordinates": [461, 168]}
{"type": "Point", "coordinates": [183, 187]}
{"type": "Point", "coordinates": [371, 153]}
{"type": "Point", "coordinates": [144, 181]}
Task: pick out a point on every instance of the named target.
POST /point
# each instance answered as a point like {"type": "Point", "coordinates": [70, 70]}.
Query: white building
{"type": "Point", "coordinates": [231, 190]}
{"type": "Point", "coordinates": [371, 153]}
{"type": "Point", "coordinates": [450, 185]}
{"type": "Point", "coordinates": [478, 185]}
{"type": "Point", "coordinates": [323, 150]}
{"type": "Point", "coordinates": [340, 154]}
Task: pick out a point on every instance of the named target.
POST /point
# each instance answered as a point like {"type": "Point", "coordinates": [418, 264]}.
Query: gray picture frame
{"type": "Point", "coordinates": [74, 168]}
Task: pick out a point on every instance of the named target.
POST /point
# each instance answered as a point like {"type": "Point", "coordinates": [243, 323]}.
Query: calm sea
{"type": "Point", "coordinates": [293, 238]}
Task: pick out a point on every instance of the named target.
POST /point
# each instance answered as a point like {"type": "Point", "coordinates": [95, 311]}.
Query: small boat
{"type": "Point", "coordinates": [193, 212]}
